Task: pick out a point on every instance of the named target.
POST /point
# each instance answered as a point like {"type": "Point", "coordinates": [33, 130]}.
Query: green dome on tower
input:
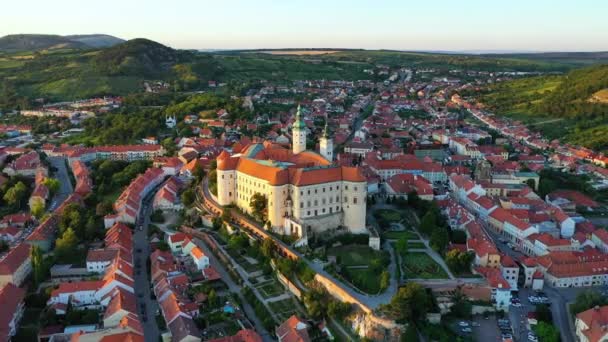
{"type": "Point", "coordinates": [299, 123]}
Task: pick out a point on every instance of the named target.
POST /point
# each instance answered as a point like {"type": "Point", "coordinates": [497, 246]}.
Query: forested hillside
{"type": "Point", "coordinates": [576, 97]}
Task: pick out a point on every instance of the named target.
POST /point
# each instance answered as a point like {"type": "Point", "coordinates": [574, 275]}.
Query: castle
{"type": "Point", "coordinates": [306, 194]}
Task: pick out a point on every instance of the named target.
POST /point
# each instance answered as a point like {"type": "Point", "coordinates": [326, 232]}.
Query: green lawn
{"type": "Point", "coordinates": [421, 265]}
{"type": "Point", "coordinates": [388, 215]}
{"type": "Point", "coordinates": [416, 245]}
{"type": "Point", "coordinates": [396, 235]}
{"type": "Point", "coordinates": [353, 255]}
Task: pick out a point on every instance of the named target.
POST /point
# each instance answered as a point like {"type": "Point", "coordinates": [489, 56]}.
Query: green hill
{"type": "Point", "coordinates": [35, 42]}
{"type": "Point", "coordinates": [96, 40]}
{"type": "Point", "coordinates": [577, 98]}
{"type": "Point", "coordinates": [138, 57]}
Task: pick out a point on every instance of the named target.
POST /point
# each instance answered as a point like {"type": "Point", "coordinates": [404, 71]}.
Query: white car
{"type": "Point", "coordinates": [463, 324]}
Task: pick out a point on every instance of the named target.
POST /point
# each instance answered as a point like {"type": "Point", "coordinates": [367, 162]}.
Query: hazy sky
{"type": "Point", "coordinates": [537, 25]}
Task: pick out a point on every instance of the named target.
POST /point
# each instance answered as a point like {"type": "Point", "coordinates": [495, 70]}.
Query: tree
{"type": "Point", "coordinates": [66, 245]}
{"type": "Point", "coordinates": [4, 246]}
{"type": "Point", "coordinates": [37, 208]}
{"type": "Point", "coordinates": [385, 280]}
{"type": "Point", "coordinates": [216, 223]}
{"type": "Point", "coordinates": [439, 239]}
{"type": "Point", "coordinates": [428, 222]}
{"type": "Point", "coordinates": [338, 309]}
{"type": "Point", "coordinates": [546, 332]}
{"type": "Point", "coordinates": [103, 208]}
{"type": "Point", "coordinates": [402, 245]}
{"type": "Point", "coordinates": [52, 184]}
{"type": "Point", "coordinates": [543, 313]}
{"type": "Point", "coordinates": [258, 206]}
{"type": "Point", "coordinates": [169, 145]}
{"type": "Point", "coordinates": [38, 268]}
{"type": "Point", "coordinates": [411, 302]}
{"type": "Point", "coordinates": [268, 248]}
{"type": "Point", "coordinates": [587, 300]}
{"type": "Point", "coordinates": [227, 215]}
{"type": "Point", "coordinates": [212, 298]}
{"type": "Point", "coordinates": [410, 335]}
{"type": "Point", "coordinates": [188, 197]}
{"type": "Point", "coordinates": [15, 195]}
{"type": "Point", "coordinates": [198, 172]}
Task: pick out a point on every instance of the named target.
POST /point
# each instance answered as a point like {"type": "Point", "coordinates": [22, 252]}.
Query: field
{"type": "Point", "coordinates": [421, 266]}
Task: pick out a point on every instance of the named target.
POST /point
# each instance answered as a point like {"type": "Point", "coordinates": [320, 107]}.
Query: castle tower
{"type": "Point", "coordinates": [326, 144]}
{"type": "Point", "coordinates": [299, 134]}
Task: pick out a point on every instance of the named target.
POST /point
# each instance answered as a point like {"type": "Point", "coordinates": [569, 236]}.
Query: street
{"type": "Point", "coordinates": [65, 187]}
{"type": "Point", "coordinates": [142, 283]}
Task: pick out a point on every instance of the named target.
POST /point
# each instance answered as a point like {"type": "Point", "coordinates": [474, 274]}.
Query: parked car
{"type": "Point", "coordinates": [463, 324]}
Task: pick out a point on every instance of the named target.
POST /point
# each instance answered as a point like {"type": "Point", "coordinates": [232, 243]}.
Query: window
{"type": "Point", "coordinates": [354, 200]}
{"type": "Point", "coordinates": [301, 193]}
{"type": "Point", "coordinates": [309, 192]}
{"type": "Point", "coordinates": [323, 201]}
{"type": "Point", "coordinates": [229, 193]}
{"type": "Point", "coordinates": [315, 191]}
{"type": "Point", "coordinates": [345, 199]}
{"type": "Point", "coordinates": [316, 212]}
{"type": "Point", "coordinates": [323, 211]}
{"type": "Point", "coordinates": [337, 199]}
{"type": "Point", "coordinates": [346, 187]}
{"type": "Point", "coordinates": [301, 205]}
{"type": "Point", "coordinates": [316, 203]}
{"type": "Point", "coordinates": [323, 189]}
{"type": "Point", "coordinates": [222, 176]}
{"type": "Point", "coordinates": [308, 213]}
{"type": "Point", "coordinates": [308, 204]}
{"type": "Point", "coordinates": [355, 188]}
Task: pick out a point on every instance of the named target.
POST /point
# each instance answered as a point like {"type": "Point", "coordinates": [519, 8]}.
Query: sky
{"type": "Point", "coordinates": [432, 25]}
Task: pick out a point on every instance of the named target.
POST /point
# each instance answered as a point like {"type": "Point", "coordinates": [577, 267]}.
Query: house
{"type": "Point", "coordinates": [16, 265]}
{"type": "Point", "coordinates": [402, 184]}
{"type": "Point", "coordinates": [200, 259]}
{"type": "Point", "coordinates": [293, 330]}
{"type": "Point", "coordinates": [245, 335]}
{"type": "Point", "coordinates": [12, 304]}
{"type": "Point", "coordinates": [591, 324]}
{"type": "Point", "coordinates": [509, 270]}
{"type": "Point", "coordinates": [600, 238]}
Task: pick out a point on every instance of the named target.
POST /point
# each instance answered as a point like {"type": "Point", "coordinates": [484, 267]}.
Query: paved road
{"type": "Point", "coordinates": [142, 283]}
{"type": "Point", "coordinates": [66, 187]}
{"type": "Point", "coordinates": [235, 288]}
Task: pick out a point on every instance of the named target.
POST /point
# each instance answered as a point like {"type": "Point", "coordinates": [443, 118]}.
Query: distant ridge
{"type": "Point", "coordinates": [37, 42]}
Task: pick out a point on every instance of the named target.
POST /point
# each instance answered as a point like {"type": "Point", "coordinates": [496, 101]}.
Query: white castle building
{"type": "Point", "coordinates": [306, 193]}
